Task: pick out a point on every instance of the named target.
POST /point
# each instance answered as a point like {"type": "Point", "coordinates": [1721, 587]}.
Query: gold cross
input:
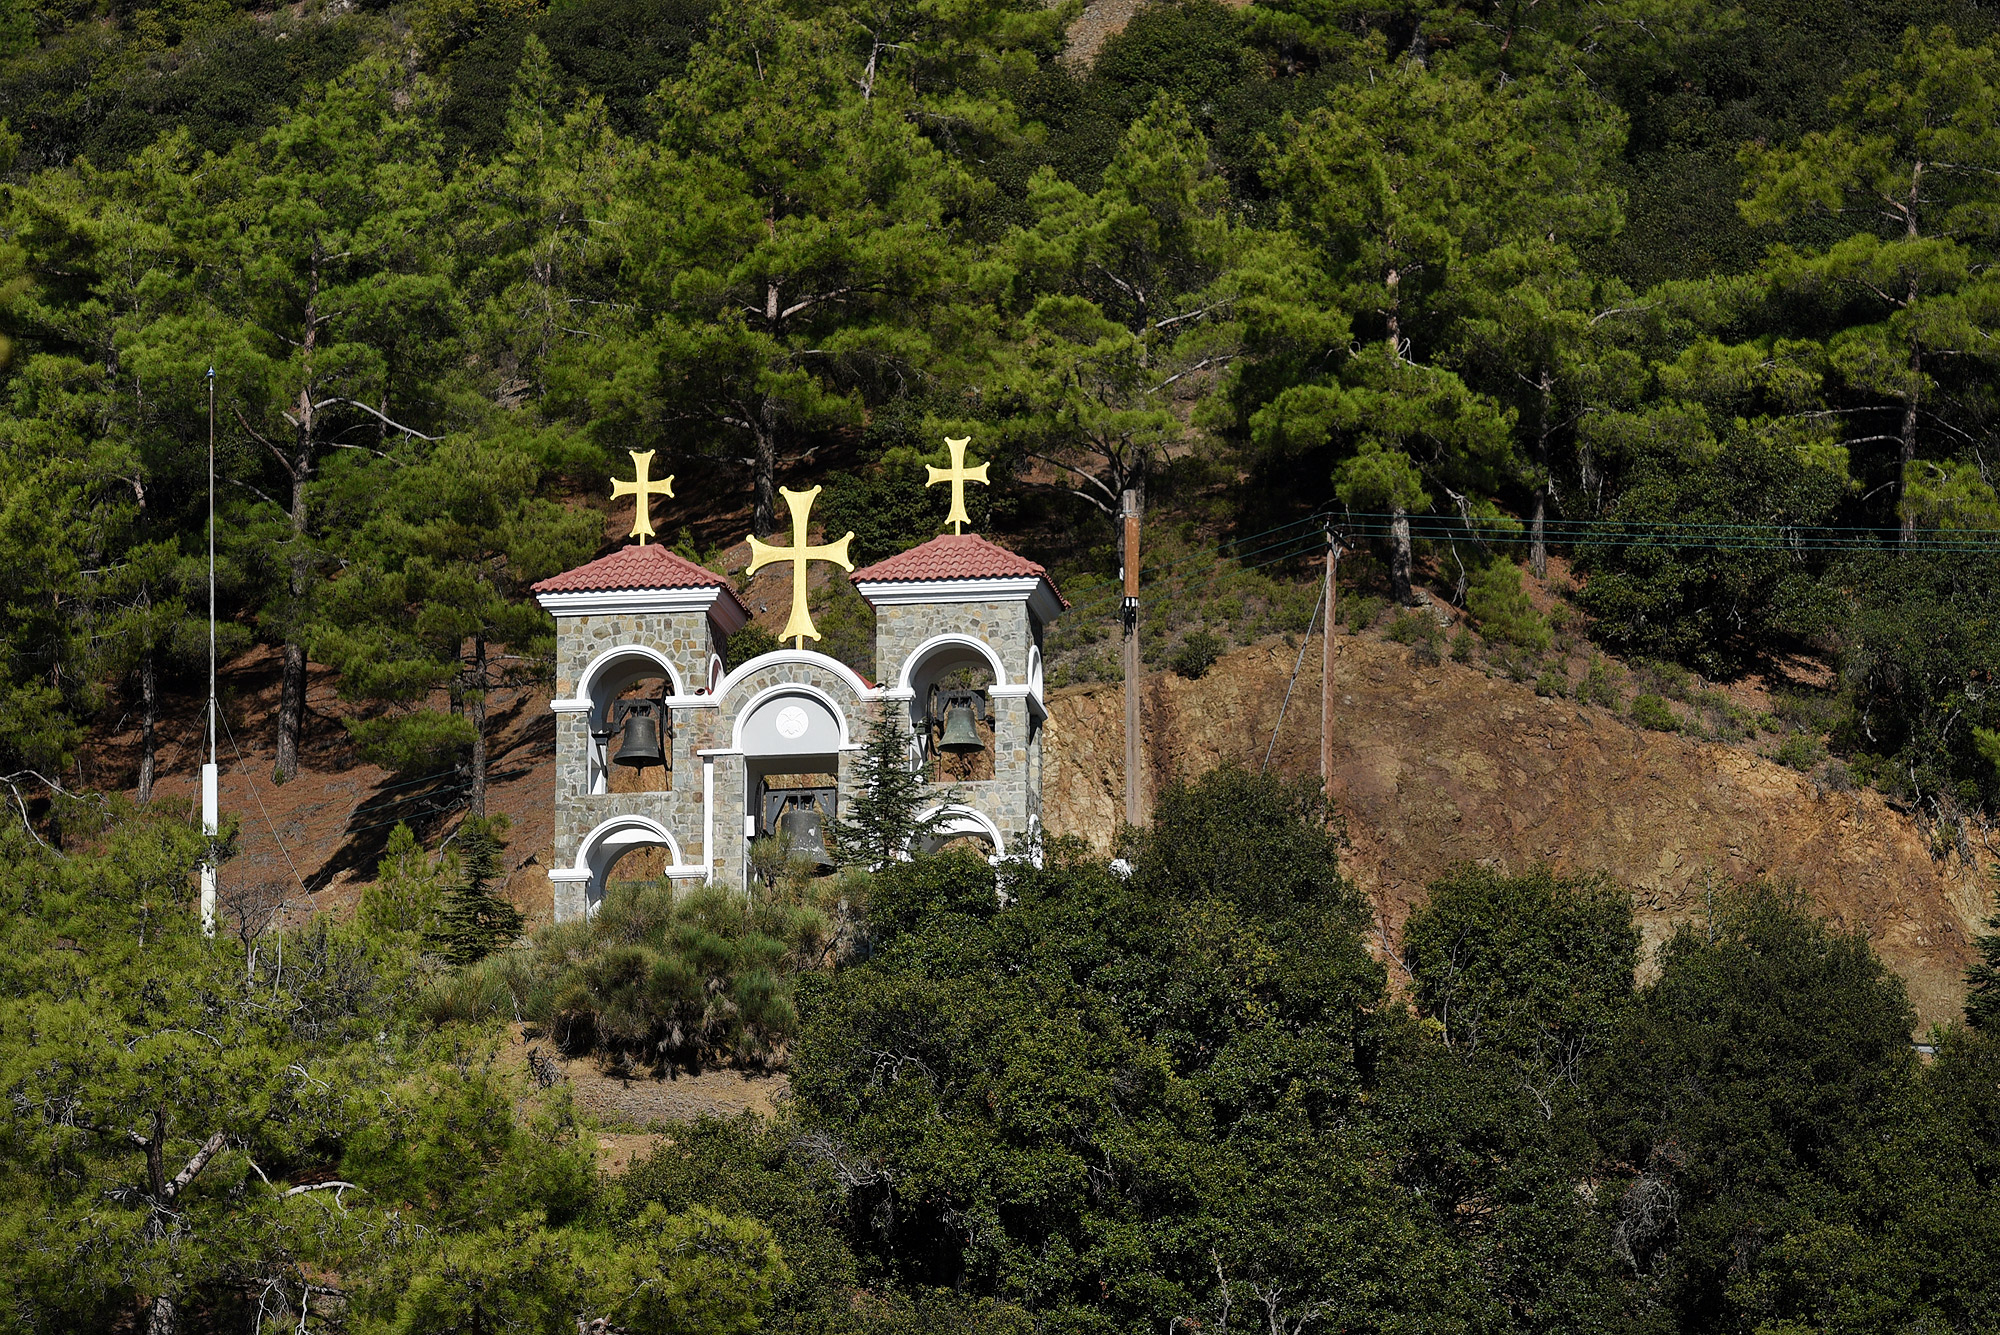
{"type": "Point", "coordinates": [800, 628]}
{"type": "Point", "coordinates": [642, 489]}
{"type": "Point", "coordinates": [958, 475]}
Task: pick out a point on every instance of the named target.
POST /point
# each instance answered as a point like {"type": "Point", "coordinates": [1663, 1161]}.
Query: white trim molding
{"type": "Point", "coordinates": [1034, 590]}
{"type": "Point", "coordinates": [808, 657]}
{"type": "Point", "coordinates": [750, 707]}
{"type": "Point", "coordinates": [596, 668]}
{"type": "Point", "coordinates": [609, 841]}
{"type": "Point", "coordinates": [956, 640]}
{"type": "Point", "coordinates": [728, 614]}
{"type": "Point", "coordinates": [962, 819]}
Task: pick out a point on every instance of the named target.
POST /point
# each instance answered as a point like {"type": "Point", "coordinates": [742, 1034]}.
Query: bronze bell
{"type": "Point", "coordinates": [805, 829]}
{"type": "Point", "coordinates": [960, 733]}
{"type": "Point", "coordinates": [639, 743]}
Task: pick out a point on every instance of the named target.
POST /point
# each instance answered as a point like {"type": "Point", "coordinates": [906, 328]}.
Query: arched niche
{"type": "Point", "coordinates": [613, 839]}
{"type": "Point", "coordinates": [935, 662]}
{"type": "Point", "coordinates": [610, 677]}
{"type": "Point", "coordinates": [791, 736]}
{"type": "Point", "coordinates": [956, 821]}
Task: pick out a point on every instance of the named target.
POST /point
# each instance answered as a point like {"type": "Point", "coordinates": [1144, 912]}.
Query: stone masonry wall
{"type": "Point", "coordinates": [1012, 798]}
{"type": "Point", "coordinates": [686, 640]}
{"type": "Point", "coordinates": [1004, 625]}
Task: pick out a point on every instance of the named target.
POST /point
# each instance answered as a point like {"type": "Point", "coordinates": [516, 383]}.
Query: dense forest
{"type": "Point", "coordinates": [1695, 301]}
{"type": "Point", "coordinates": [1684, 312]}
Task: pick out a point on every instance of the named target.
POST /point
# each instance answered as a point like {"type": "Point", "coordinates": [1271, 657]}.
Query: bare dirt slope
{"type": "Point", "coordinates": [1438, 765]}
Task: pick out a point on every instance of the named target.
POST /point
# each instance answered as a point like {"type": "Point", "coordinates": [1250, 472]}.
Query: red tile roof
{"type": "Point", "coordinates": [953, 556]}
{"type": "Point", "coordinates": [636, 567]}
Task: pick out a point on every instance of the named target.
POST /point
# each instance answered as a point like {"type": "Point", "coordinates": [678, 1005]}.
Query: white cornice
{"type": "Point", "coordinates": [727, 613]}
{"type": "Point", "coordinates": [571, 705]}
{"type": "Point", "coordinates": [1034, 590]}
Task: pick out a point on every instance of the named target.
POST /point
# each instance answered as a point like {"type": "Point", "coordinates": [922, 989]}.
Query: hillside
{"type": "Point", "coordinates": [1432, 765]}
{"type": "Point", "coordinates": [1436, 765]}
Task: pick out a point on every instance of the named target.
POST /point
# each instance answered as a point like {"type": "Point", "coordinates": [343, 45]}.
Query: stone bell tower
{"type": "Point", "coordinates": [640, 614]}
{"type": "Point", "coordinates": [641, 642]}
{"type": "Point", "coordinates": [960, 601]}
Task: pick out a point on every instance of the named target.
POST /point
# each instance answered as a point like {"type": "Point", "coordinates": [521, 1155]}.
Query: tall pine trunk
{"type": "Point", "coordinates": [476, 712]}
{"type": "Point", "coordinates": [1399, 557]}
{"type": "Point", "coordinates": [292, 692]}
{"type": "Point", "coordinates": [1538, 547]}
{"type": "Point", "coordinates": [1907, 437]}
{"type": "Point", "coordinates": [1907, 445]}
{"type": "Point", "coordinates": [765, 517]}
{"type": "Point", "coordinates": [149, 723]}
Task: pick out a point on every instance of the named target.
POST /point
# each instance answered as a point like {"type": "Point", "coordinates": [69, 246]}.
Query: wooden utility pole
{"type": "Point", "coordinates": [1326, 671]}
{"type": "Point", "coordinates": [1130, 512]}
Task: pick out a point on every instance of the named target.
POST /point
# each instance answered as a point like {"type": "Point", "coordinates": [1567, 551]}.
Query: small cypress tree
{"type": "Point", "coordinates": [881, 823]}
{"type": "Point", "coordinates": [1982, 999]}
{"type": "Point", "coordinates": [473, 921]}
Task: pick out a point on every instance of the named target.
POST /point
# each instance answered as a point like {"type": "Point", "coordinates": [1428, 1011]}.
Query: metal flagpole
{"type": "Point", "coordinates": [211, 823]}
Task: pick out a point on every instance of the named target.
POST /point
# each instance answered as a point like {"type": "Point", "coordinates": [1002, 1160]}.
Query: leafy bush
{"type": "Point", "coordinates": [1358, 614]}
{"type": "Point", "coordinates": [750, 642]}
{"type": "Point", "coordinates": [688, 979]}
{"type": "Point", "coordinates": [1603, 683]}
{"type": "Point", "coordinates": [1799, 751]}
{"type": "Point", "coordinates": [1502, 609]}
{"type": "Point", "coordinates": [1421, 632]}
{"type": "Point", "coordinates": [1552, 683]}
{"type": "Point", "coordinates": [1196, 655]}
{"type": "Point", "coordinates": [1650, 711]}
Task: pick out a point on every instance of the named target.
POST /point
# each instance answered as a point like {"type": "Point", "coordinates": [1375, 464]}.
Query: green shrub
{"type": "Point", "coordinates": [1603, 683]}
{"type": "Point", "coordinates": [1196, 655]}
{"type": "Point", "coordinates": [1461, 647]}
{"type": "Point", "coordinates": [1502, 610]}
{"type": "Point", "coordinates": [1670, 680]}
{"type": "Point", "coordinates": [1553, 683]}
{"type": "Point", "coordinates": [1799, 751]}
{"type": "Point", "coordinates": [748, 643]}
{"type": "Point", "coordinates": [1650, 711]}
{"type": "Point", "coordinates": [1358, 614]}
{"type": "Point", "coordinates": [672, 979]}
{"type": "Point", "coordinates": [1422, 633]}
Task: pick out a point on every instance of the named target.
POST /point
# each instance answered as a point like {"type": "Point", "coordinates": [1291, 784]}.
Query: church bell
{"type": "Point", "coordinates": [639, 744]}
{"type": "Point", "coordinates": [960, 734]}
{"type": "Point", "coordinates": [805, 829]}
{"type": "Point", "coordinates": [955, 714]}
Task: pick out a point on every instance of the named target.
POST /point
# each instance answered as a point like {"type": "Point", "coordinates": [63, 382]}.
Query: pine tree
{"type": "Point", "coordinates": [1982, 999]}
{"type": "Point", "coordinates": [473, 921]}
{"type": "Point", "coordinates": [882, 823]}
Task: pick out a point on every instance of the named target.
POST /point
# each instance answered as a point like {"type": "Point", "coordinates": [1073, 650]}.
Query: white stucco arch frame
{"type": "Point", "coordinates": [955, 818]}
{"type": "Point", "coordinates": [954, 640]}
{"type": "Point", "coordinates": [586, 683]}
{"type": "Point", "coordinates": [757, 701]}
{"type": "Point", "coordinates": [804, 657]}
{"type": "Point", "coordinates": [612, 839]}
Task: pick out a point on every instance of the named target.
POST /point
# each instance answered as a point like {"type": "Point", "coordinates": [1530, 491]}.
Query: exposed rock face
{"type": "Point", "coordinates": [1437, 765]}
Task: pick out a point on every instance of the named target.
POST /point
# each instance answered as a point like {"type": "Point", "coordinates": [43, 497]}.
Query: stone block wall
{"type": "Point", "coordinates": [685, 639]}
{"type": "Point", "coordinates": [900, 628]}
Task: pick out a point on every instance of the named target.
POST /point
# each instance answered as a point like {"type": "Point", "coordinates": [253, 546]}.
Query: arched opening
{"type": "Point", "coordinates": [961, 826]}
{"type": "Point", "coordinates": [630, 723]}
{"type": "Point", "coordinates": [791, 737]}
{"type": "Point", "coordinates": [626, 848]}
{"type": "Point", "coordinates": [951, 708]}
